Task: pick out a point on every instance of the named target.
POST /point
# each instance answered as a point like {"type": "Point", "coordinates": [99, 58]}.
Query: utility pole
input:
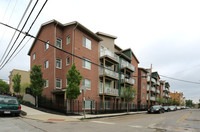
{"type": "Point", "coordinates": [149, 88]}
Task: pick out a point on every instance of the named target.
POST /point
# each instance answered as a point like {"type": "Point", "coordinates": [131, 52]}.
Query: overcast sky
{"type": "Point", "coordinates": [165, 34]}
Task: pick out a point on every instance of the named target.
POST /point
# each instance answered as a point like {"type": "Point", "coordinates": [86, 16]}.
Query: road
{"type": "Point", "coordinates": [182, 120]}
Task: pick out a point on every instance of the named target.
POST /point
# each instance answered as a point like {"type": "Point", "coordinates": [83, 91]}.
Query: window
{"type": "Point", "coordinates": [143, 85]}
{"type": "Point", "coordinates": [58, 63]}
{"type": "Point", "coordinates": [89, 104]}
{"type": "Point", "coordinates": [34, 56]}
{"type": "Point", "coordinates": [86, 63]}
{"type": "Point", "coordinates": [58, 83]}
{"type": "Point", "coordinates": [59, 43]}
{"type": "Point", "coordinates": [66, 83]}
{"type": "Point", "coordinates": [86, 83]}
{"type": "Point", "coordinates": [46, 45]}
{"type": "Point", "coordinates": [86, 43]}
{"type": "Point", "coordinates": [68, 39]}
{"type": "Point", "coordinates": [67, 61]}
{"type": "Point", "coordinates": [46, 83]}
{"type": "Point", "coordinates": [46, 64]}
{"type": "Point", "coordinates": [143, 95]}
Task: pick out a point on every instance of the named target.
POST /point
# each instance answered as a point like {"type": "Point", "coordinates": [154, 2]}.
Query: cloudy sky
{"type": "Point", "coordinates": [165, 34]}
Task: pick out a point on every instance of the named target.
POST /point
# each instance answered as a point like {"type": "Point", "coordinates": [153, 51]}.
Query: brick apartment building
{"type": "Point", "coordinates": [102, 84]}
{"type": "Point", "coordinates": [178, 97]}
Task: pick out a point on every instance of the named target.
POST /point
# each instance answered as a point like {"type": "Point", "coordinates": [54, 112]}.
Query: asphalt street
{"type": "Point", "coordinates": [182, 120]}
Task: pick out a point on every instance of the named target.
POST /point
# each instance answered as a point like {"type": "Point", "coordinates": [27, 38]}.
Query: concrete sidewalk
{"type": "Point", "coordinates": [48, 117]}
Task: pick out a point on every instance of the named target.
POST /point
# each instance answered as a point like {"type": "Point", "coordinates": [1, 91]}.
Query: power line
{"type": "Point", "coordinates": [180, 80]}
{"type": "Point", "coordinates": [16, 30]}
{"type": "Point", "coordinates": [18, 36]}
{"type": "Point", "coordinates": [85, 59]}
{"type": "Point", "coordinates": [26, 33]}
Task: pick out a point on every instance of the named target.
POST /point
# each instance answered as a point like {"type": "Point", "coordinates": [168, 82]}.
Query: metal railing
{"type": "Point", "coordinates": [152, 88]}
{"type": "Point", "coordinates": [107, 52]}
{"type": "Point", "coordinates": [151, 98]}
{"type": "Point", "coordinates": [152, 79]}
{"type": "Point", "coordinates": [127, 64]}
{"type": "Point", "coordinates": [127, 80]}
{"type": "Point", "coordinates": [109, 90]}
{"type": "Point", "coordinates": [109, 72]}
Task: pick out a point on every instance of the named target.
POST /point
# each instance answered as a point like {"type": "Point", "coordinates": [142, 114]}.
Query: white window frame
{"type": "Point", "coordinates": [87, 43]}
{"type": "Point", "coordinates": [68, 39]}
{"type": "Point", "coordinates": [60, 63]}
{"type": "Point", "coordinates": [67, 61]}
{"type": "Point", "coordinates": [46, 64]}
{"type": "Point", "coordinates": [46, 83]}
{"type": "Point", "coordinates": [86, 64]}
{"type": "Point", "coordinates": [143, 85]}
{"type": "Point", "coordinates": [60, 42]}
{"type": "Point", "coordinates": [87, 104]}
{"type": "Point", "coordinates": [88, 87]}
{"type": "Point", "coordinates": [59, 82]}
{"type": "Point", "coordinates": [34, 56]}
{"type": "Point", "coordinates": [67, 83]}
{"type": "Point", "coordinates": [46, 45]}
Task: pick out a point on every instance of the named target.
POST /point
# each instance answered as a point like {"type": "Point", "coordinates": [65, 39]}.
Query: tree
{"type": "Point", "coordinates": [129, 95]}
{"type": "Point", "coordinates": [73, 79]}
{"type": "Point", "coordinates": [37, 82]}
{"type": "Point", "coordinates": [24, 86]}
{"type": "Point", "coordinates": [169, 102]}
{"type": "Point", "coordinates": [189, 103]}
{"type": "Point", "coordinates": [160, 100]}
{"type": "Point", "coordinates": [199, 104]}
{"type": "Point", "coordinates": [16, 83]}
{"type": "Point", "coordinates": [4, 87]}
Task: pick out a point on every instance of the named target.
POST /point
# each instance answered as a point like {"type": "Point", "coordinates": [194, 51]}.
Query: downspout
{"type": "Point", "coordinates": [73, 42]}
{"type": "Point", "coordinates": [55, 56]}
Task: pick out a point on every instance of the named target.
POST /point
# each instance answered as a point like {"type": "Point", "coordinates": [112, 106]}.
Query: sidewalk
{"type": "Point", "coordinates": [48, 117]}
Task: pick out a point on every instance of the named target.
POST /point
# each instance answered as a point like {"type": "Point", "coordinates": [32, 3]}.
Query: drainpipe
{"type": "Point", "coordinates": [73, 41]}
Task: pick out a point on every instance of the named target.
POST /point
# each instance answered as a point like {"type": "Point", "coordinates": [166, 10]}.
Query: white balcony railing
{"type": "Point", "coordinates": [158, 91]}
{"type": "Point", "coordinates": [127, 64]}
{"type": "Point", "coordinates": [107, 52]}
{"type": "Point", "coordinates": [158, 83]}
{"type": "Point", "coordinates": [153, 98]}
{"type": "Point", "coordinates": [152, 79]}
{"type": "Point", "coordinates": [109, 90]}
{"type": "Point", "coordinates": [109, 72]}
{"type": "Point", "coordinates": [152, 88]}
{"type": "Point", "coordinates": [127, 80]}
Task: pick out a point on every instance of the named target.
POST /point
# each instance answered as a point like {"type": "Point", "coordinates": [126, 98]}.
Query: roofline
{"type": "Point", "coordinates": [96, 37]}
{"type": "Point", "coordinates": [106, 35]}
{"type": "Point", "coordinates": [117, 47]}
{"type": "Point", "coordinates": [132, 54]}
{"type": "Point", "coordinates": [143, 69]}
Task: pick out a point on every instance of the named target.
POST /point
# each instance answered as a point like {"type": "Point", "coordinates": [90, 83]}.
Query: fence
{"type": "Point", "coordinates": [91, 107]}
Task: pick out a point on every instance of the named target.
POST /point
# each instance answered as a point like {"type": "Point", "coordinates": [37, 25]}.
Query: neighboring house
{"type": "Point", "coordinates": [142, 88]}
{"type": "Point", "coordinates": [25, 79]}
{"type": "Point", "coordinates": [103, 85]}
{"type": "Point", "coordinates": [178, 97]}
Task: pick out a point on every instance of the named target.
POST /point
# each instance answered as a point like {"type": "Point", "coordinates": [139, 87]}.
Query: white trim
{"type": "Point", "coordinates": [69, 39]}
{"type": "Point", "coordinates": [60, 83]}
{"type": "Point", "coordinates": [66, 61]}
{"type": "Point", "coordinates": [60, 63]}
{"type": "Point", "coordinates": [61, 43]}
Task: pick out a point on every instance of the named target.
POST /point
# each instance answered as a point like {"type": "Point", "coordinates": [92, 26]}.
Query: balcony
{"type": "Point", "coordinates": [126, 64]}
{"type": "Point", "coordinates": [152, 98]}
{"type": "Point", "coordinates": [109, 73]}
{"type": "Point", "coordinates": [158, 83]}
{"type": "Point", "coordinates": [158, 91]}
{"type": "Point", "coordinates": [152, 79]}
{"type": "Point", "coordinates": [108, 91]}
{"type": "Point", "coordinates": [152, 88]}
{"type": "Point", "coordinates": [166, 90]}
{"type": "Point", "coordinates": [130, 81]}
{"type": "Point", "coordinates": [109, 55]}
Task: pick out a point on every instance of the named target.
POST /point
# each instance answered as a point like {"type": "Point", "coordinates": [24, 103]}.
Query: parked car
{"type": "Point", "coordinates": [166, 108]}
{"type": "Point", "coordinates": [172, 108]}
{"type": "Point", "coordinates": [156, 109]}
{"type": "Point", "coordinates": [178, 107]}
{"type": "Point", "coordinates": [9, 105]}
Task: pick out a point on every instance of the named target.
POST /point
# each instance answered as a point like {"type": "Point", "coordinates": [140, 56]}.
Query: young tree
{"type": "Point", "coordinates": [4, 87]}
{"type": "Point", "coordinates": [189, 103]}
{"type": "Point", "coordinates": [16, 83]}
{"type": "Point", "coordinates": [129, 95]}
{"type": "Point", "coordinates": [160, 100]}
{"type": "Point", "coordinates": [37, 82]}
{"type": "Point", "coordinates": [73, 79]}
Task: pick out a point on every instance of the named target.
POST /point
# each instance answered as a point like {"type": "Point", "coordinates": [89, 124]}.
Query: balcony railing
{"type": "Point", "coordinates": [127, 80]}
{"type": "Point", "coordinates": [109, 72]}
{"type": "Point", "coordinates": [152, 79]}
{"type": "Point", "coordinates": [158, 83]}
{"type": "Point", "coordinates": [158, 91]}
{"type": "Point", "coordinates": [151, 98]}
{"type": "Point", "coordinates": [127, 64]}
{"type": "Point", "coordinates": [107, 52]}
{"type": "Point", "coordinates": [152, 88]}
{"type": "Point", "coordinates": [109, 90]}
